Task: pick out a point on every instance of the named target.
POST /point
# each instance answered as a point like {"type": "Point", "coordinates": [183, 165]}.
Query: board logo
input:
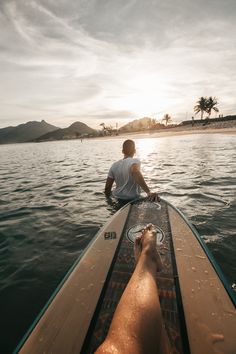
{"type": "Point", "coordinates": [136, 230]}
{"type": "Point", "coordinates": [111, 235]}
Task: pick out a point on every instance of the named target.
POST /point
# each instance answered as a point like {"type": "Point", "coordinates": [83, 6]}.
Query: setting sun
{"type": "Point", "coordinates": [146, 94]}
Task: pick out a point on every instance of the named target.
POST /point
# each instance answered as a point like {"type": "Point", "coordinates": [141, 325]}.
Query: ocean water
{"type": "Point", "coordinates": [52, 204]}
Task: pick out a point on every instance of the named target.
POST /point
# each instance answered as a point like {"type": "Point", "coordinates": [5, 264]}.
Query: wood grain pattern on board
{"type": "Point", "coordinates": [209, 313]}
{"type": "Point", "coordinates": [64, 325]}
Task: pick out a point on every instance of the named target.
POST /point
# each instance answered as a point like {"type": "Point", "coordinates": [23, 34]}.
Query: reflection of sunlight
{"type": "Point", "coordinates": [144, 147]}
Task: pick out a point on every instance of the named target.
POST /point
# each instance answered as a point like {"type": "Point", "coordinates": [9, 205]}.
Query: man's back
{"type": "Point", "coordinates": [120, 171]}
{"type": "Point", "coordinates": [127, 176]}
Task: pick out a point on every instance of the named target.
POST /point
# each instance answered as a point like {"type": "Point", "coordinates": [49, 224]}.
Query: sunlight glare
{"type": "Point", "coordinates": [145, 147]}
{"type": "Point", "coordinates": [147, 93]}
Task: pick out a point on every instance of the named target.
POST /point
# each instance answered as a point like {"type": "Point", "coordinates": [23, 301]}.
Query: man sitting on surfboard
{"type": "Point", "coordinates": [127, 176]}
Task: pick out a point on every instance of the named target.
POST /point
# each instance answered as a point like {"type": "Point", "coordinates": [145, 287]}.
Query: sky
{"type": "Point", "coordinates": [113, 61]}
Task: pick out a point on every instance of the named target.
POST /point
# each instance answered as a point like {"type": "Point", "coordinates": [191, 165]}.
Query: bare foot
{"type": "Point", "coordinates": [137, 248]}
{"type": "Point", "coordinates": [147, 244]}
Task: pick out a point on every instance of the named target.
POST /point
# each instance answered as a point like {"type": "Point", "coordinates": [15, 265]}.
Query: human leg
{"type": "Point", "coordinates": [137, 325]}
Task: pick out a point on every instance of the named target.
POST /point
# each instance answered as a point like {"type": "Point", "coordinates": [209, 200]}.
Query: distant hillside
{"type": "Point", "coordinates": [141, 124]}
{"type": "Point", "coordinates": [25, 132]}
{"type": "Point", "coordinates": [72, 132]}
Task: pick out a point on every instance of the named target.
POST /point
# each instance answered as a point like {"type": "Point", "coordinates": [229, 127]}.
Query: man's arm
{"type": "Point", "coordinates": [138, 177]}
{"type": "Point", "coordinates": [108, 186]}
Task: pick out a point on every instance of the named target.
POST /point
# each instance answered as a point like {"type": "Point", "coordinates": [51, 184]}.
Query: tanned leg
{"type": "Point", "coordinates": [137, 325]}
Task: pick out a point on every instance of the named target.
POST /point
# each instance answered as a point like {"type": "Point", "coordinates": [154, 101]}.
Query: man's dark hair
{"type": "Point", "coordinates": [128, 147]}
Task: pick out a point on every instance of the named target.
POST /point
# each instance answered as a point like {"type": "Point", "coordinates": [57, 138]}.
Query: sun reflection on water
{"type": "Point", "coordinates": [145, 147]}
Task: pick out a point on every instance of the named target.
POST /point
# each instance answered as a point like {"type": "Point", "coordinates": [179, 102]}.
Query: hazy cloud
{"type": "Point", "coordinates": [114, 60]}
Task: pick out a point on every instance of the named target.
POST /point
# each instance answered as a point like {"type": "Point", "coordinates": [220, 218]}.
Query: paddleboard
{"type": "Point", "coordinates": [198, 307]}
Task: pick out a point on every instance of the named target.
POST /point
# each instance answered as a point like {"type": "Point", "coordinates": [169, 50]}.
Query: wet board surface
{"type": "Point", "coordinates": [140, 214]}
{"type": "Point", "coordinates": [197, 309]}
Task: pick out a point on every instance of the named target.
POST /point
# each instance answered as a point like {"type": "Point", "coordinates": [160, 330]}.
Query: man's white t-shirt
{"type": "Point", "coordinates": [126, 187]}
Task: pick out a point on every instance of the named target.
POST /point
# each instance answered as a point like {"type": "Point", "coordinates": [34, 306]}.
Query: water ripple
{"type": "Point", "coordinates": [52, 204]}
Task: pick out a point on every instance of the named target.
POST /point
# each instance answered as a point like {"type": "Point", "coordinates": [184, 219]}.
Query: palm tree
{"type": "Point", "coordinates": [104, 129]}
{"type": "Point", "coordinates": [103, 126]}
{"type": "Point", "coordinates": [167, 118]}
{"type": "Point", "coordinates": [201, 106]}
{"type": "Point", "coordinates": [109, 129]}
{"type": "Point", "coordinates": [152, 123]}
{"type": "Point", "coordinates": [211, 103]}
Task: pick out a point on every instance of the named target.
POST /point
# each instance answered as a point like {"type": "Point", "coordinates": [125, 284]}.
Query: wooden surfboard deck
{"type": "Point", "coordinates": [197, 305]}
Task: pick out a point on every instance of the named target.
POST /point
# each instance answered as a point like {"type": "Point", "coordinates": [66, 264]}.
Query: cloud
{"type": "Point", "coordinates": [114, 59]}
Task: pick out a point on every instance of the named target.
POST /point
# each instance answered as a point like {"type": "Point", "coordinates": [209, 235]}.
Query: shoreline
{"type": "Point", "coordinates": [172, 132]}
{"type": "Point", "coordinates": [168, 132]}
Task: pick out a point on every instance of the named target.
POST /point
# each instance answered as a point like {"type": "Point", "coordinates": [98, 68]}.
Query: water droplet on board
{"type": "Point", "coordinates": [93, 266]}
{"type": "Point", "coordinates": [217, 338]}
{"type": "Point", "coordinates": [206, 272]}
{"type": "Point", "coordinates": [82, 289]}
{"type": "Point", "coordinates": [198, 283]}
{"type": "Point", "coordinates": [229, 312]}
{"type": "Point", "coordinates": [193, 269]}
{"type": "Point", "coordinates": [179, 249]}
{"type": "Point", "coordinates": [201, 257]}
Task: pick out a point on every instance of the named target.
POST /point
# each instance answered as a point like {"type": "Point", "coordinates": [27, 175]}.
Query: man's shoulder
{"type": "Point", "coordinates": [134, 160]}
{"type": "Point", "coordinates": [124, 163]}
{"type": "Point", "coordinates": [129, 161]}
{"type": "Point", "coordinates": [116, 163]}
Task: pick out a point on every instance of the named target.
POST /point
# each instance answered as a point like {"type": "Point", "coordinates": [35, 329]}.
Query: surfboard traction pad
{"type": "Point", "coordinates": [122, 271]}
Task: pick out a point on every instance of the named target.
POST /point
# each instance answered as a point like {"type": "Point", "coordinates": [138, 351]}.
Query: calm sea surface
{"type": "Point", "coordinates": [52, 204]}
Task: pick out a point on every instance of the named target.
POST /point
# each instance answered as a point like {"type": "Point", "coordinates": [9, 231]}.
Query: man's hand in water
{"type": "Point", "coordinates": [153, 197]}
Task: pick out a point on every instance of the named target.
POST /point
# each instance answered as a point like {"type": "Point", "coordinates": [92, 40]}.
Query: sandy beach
{"type": "Point", "coordinates": [228, 127]}
{"type": "Point", "coordinates": [175, 131]}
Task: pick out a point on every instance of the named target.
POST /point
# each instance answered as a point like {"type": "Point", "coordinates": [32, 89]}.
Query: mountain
{"type": "Point", "coordinates": [72, 132]}
{"type": "Point", "coordinates": [25, 132]}
{"type": "Point", "coordinates": [141, 124]}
